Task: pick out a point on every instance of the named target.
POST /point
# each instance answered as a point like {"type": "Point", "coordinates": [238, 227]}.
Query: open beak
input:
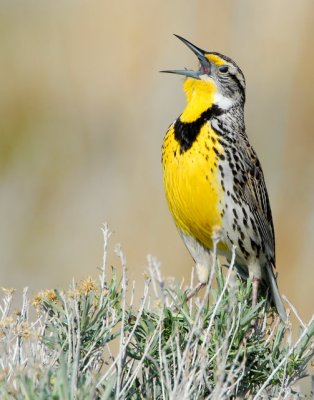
{"type": "Point", "coordinates": [200, 54]}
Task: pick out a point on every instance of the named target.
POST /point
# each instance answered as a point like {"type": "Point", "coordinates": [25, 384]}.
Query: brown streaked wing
{"type": "Point", "coordinates": [256, 196]}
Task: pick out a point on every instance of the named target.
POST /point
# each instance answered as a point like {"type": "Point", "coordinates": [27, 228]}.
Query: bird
{"type": "Point", "coordinates": [213, 180]}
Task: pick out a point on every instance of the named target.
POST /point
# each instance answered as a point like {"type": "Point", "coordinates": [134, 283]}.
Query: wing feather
{"type": "Point", "coordinates": [255, 194]}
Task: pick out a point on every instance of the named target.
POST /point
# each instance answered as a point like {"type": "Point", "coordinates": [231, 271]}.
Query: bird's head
{"type": "Point", "coordinates": [218, 80]}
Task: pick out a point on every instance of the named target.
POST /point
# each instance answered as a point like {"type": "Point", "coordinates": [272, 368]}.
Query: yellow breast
{"type": "Point", "coordinates": [192, 184]}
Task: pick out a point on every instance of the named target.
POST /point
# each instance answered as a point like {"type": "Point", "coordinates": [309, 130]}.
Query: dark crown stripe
{"type": "Point", "coordinates": [186, 132]}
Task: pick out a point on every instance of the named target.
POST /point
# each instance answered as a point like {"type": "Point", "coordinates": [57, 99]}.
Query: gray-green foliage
{"type": "Point", "coordinates": [92, 342]}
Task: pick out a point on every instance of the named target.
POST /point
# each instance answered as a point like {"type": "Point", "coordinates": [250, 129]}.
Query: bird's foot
{"type": "Point", "coordinates": [256, 282]}
{"type": "Point", "coordinates": [195, 291]}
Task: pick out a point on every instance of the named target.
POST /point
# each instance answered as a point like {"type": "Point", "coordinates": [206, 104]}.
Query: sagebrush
{"type": "Point", "coordinates": [93, 342]}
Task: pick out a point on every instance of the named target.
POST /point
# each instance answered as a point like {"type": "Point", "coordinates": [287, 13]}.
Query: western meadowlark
{"type": "Point", "coordinates": [213, 180]}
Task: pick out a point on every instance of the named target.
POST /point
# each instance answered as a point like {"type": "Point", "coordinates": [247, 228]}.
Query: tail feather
{"type": "Point", "coordinates": [275, 293]}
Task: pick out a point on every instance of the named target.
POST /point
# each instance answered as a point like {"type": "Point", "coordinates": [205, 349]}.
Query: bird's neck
{"type": "Point", "coordinates": [200, 96]}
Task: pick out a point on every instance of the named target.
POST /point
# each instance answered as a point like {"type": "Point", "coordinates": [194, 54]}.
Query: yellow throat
{"type": "Point", "coordinates": [191, 174]}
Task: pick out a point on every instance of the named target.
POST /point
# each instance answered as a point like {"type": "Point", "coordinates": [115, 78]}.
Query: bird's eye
{"type": "Point", "coordinates": [223, 69]}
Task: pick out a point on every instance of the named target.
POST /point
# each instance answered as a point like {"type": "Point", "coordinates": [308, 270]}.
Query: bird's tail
{"type": "Point", "coordinates": [275, 293]}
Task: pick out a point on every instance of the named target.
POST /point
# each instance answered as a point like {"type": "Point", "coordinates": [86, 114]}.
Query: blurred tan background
{"type": "Point", "coordinates": [83, 111]}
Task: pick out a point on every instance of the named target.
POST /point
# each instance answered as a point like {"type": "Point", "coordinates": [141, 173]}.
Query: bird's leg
{"type": "Point", "coordinates": [195, 290]}
{"type": "Point", "coordinates": [256, 282]}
